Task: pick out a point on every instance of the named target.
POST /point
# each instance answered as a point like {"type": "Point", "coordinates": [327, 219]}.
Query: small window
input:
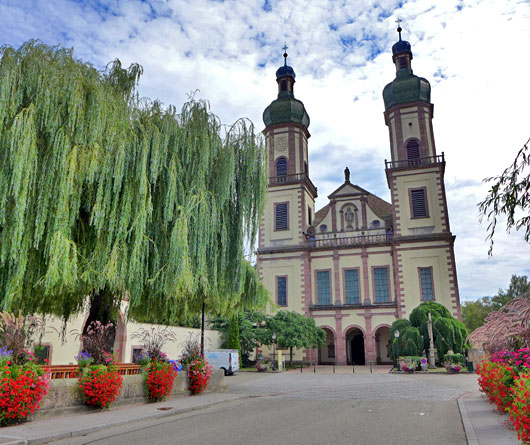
{"type": "Point", "coordinates": [375, 224]}
{"type": "Point", "coordinates": [413, 150]}
{"type": "Point", "coordinates": [402, 63]}
{"type": "Point", "coordinates": [42, 354]}
{"type": "Point", "coordinates": [351, 286]}
{"type": "Point", "coordinates": [309, 216]}
{"type": "Point", "coordinates": [381, 285]}
{"type": "Point", "coordinates": [323, 228]}
{"type": "Point", "coordinates": [427, 293]}
{"type": "Point", "coordinates": [323, 287]}
{"type": "Point", "coordinates": [306, 170]}
{"type": "Point", "coordinates": [281, 291]}
{"type": "Point", "coordinates": [281, 167]}
{"type": "Point", "coordinates": [137, 354]}
{"type": "Point", "coordinates": [283, 85]}
{"type": "Point", "coordinates": [418, 203]}
{"type": "Point", "coordinates": [281, 216]}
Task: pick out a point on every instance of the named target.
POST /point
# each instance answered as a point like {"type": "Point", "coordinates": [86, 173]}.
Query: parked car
{"type": "Point", "coordinates": [225, 359]}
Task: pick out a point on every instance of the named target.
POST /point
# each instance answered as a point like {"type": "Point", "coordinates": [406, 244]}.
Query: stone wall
{"type": "Point", "coordinates": [64, 396]}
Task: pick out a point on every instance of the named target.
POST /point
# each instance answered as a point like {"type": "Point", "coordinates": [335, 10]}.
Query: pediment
{"type": "Point", "coordinates": [347, 189]}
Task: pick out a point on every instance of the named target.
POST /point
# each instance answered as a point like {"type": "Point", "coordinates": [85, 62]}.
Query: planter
{"type": "Point", "coordinates": [100, 386]}
{"type": "Point", "coordinates": [452, 369]}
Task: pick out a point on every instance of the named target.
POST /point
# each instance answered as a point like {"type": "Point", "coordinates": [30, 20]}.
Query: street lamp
{"type": "Point", "coordinates": [273, 349]}
{"type": "Point", "coordinates": [396, 334]}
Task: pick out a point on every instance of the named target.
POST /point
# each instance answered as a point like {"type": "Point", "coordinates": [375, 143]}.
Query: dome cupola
{"type": "Point", "coordinates": [406, 87]}
{"type": "Point", "coordinates": [286, 109]}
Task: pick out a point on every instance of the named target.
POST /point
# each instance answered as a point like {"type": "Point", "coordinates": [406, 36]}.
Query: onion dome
{"type": "Point", "coordinates": [286, 109]}
{"type": "Point", "coordinates": [406, 87]}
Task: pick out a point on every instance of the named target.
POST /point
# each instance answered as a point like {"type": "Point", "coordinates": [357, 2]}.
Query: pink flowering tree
{"type": "Point", "coordinates": [505, 329]}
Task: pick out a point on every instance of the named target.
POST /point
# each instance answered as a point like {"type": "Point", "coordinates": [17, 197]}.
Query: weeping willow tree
{"type": "Point", "coordinates": [105, 195]}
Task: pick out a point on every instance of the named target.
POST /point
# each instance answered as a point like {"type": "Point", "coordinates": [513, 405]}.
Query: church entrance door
{"type": "Point", "coordinates": [355, 347]}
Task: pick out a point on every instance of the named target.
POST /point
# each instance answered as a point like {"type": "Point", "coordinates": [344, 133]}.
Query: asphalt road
{"type": "Point", "coordinates": [320, 408]}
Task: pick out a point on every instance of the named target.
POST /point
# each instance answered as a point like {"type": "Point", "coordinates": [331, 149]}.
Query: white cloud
{"type": "Point", "coordinates": [473, 53]}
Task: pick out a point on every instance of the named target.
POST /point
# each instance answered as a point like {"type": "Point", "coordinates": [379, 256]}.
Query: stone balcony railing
{"type": "Point", "coordinates": [347, 239]}
{"type": "Point", "coordinates": [415, 163]}
{"type": "Point", "coordinates": [293, 179]}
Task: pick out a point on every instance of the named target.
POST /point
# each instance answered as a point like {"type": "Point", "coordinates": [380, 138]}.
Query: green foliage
{"type": "Point", "coordinates": [519, 286]}
{"type": "Point", "coordinates": [448, 332]}
{"type": "Point", "coordinates": [233, 334]}
{"type": "Point", "coordinates": [18, 333]}
{"type": "Point", "coordinates": [453, 359]}
{"type": "Point", "coordinates": [293, 330]}
{"type": "Point", "coordinates": [410, 340]}
{"type": "Point", "coordinates": [508, 197]}
{"type": "Point", "coordinates": [413, 361]}
{"type": "Point", "coordinates": [105, 193]}
{"type": "Point", "coordinates": [475, 312]}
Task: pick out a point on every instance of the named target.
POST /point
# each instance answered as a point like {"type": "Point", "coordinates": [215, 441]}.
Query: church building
{"type": "Point", "coordinates": [358, 263]}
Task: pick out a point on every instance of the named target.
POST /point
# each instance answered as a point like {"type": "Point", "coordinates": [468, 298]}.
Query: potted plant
{"type": "Point", "coordinates": [23, 382]}
{"type": "Point", "coordinates": [99, 380]}
{"type": "Point", "coordinates": [453, 362]}
{"type": "Point", "coordinates": [159, 373]}
{"type": "Point", "coordinates": [199, 372]}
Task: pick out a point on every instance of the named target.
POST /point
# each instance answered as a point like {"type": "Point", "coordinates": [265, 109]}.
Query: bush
{"type": "Point", "coordinates": [191, 351]}
{"type": "Point", "coordinates": [520, 407]}
{"type": "Point", "coordinates": [453, 359]}
{"type": "Point", "coordinates": [410, 341]}
{"type": "Point", "coordinates": [159, 378]}
{"type": "Point", "coordinates": [100, 384]}
{"type": "Point", "coordinates": [22, 387]}
{"type": "Point", "coordinates": [153, 341]}
{"type": "Point", "coordinates": [199, 373]}
{"type": "Point", "coordinates": [412, 362]}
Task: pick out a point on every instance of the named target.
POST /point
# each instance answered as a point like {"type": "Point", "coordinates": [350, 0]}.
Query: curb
{"type": "Point", "coordinates": [102, 426]}
{"type": "Point", "coordinates": [471, 435]}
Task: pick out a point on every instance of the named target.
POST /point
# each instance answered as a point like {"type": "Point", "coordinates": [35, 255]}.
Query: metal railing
{"type": "Point", "coordinates": [413, 163]}
{"type": "Point", "coordinates": [292, 179]}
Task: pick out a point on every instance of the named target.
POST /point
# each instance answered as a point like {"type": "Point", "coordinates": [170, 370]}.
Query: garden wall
{"type": "Point", "coordinates": [64, 397]}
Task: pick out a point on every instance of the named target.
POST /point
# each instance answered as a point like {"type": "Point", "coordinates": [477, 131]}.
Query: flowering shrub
{"type": "Point", "coordinates": [495, 380]}
{"type": "Point", "coordinates": [100, 385]}
{"type": "Point", "coordinates": [199, 373]}
{"type": "Point", "coordinates": [22, 387]}
{"type": "Point", "coordinates": [520, 407]}
{"type": "Point", "coordinates": [505, 378]}
{"type": "Point", "coordinates": [159, 378]}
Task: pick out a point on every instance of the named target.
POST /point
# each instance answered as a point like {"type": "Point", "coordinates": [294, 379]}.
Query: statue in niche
{"type": "Point", "coordinates": [348, 217]}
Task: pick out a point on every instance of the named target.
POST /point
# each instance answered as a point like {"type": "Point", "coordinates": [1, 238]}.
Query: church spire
{"type": "Point", "coordinates": [401, 52]}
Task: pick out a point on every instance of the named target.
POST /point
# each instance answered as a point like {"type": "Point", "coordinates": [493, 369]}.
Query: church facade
{"type": "Point", "coordinates": [359, 263]}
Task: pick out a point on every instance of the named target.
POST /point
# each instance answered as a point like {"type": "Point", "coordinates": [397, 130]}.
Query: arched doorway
{"type": "Point", "coordinates": [326, 354]}
{"type": "Point", "coordinates": [355, 347]}
{"type": "Point", "coordinates": [382, 338]}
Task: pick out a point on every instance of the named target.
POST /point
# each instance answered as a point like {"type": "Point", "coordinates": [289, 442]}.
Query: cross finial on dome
{"type": "Point", "coordinates": [398, 21]}
{"type": "Point", "coordinates": [285, 53]}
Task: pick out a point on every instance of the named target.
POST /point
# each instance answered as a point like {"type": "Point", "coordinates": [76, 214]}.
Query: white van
{"type": "Point", "coordinates": [225, 359]}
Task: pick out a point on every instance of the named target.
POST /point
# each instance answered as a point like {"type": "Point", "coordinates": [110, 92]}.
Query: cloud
{"type": "Point", "coordinates": [471, 52]}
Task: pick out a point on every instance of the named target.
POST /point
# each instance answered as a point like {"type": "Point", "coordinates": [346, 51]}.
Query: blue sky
{"type": "Point", "coordinates": [472, 52]}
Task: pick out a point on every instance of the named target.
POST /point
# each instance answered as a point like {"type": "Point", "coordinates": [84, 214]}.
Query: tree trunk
{"type": "Point", "coordinates": [291, 356]}
{"type": "Point", "coordinates": [101, 309]}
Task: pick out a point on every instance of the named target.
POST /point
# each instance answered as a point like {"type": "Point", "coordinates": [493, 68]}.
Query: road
{"type": "Point", "coordinates": [320, 408]}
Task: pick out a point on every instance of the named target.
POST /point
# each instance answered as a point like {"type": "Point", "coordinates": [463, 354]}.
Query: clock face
{"type": "Point", "coordinates": [280, 143]}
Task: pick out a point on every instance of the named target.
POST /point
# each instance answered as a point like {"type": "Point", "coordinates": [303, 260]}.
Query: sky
{"type": "Point", "coordinates": [474, 53]}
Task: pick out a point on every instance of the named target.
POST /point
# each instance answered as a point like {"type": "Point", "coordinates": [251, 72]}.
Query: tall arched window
{"type": "Point", "coordinates": [413, 151]}
{"type": "Point", "coordinates": [281, 167]}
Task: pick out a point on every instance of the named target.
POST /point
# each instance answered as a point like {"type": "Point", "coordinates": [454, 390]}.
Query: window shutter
{"type": "Point", "coordinates": [280, 218]}
{"type": "Point", "coordinates": [281, 167]}
{"type": "Point", "coordinates": [419, 203]}
{"type": "Point", "coordinates": [413, 149]}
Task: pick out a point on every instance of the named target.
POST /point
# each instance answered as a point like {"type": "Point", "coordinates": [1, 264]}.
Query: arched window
{"type": "Point", "coordinates": [281, 167]}
{"type": "Point", "coordinates": [413, 151]}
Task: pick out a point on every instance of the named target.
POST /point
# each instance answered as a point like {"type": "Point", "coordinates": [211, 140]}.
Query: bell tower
{"type": "Point", "coordinates": [422, 242]}
{"type": "Point", "coordinates": [291, 194]}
